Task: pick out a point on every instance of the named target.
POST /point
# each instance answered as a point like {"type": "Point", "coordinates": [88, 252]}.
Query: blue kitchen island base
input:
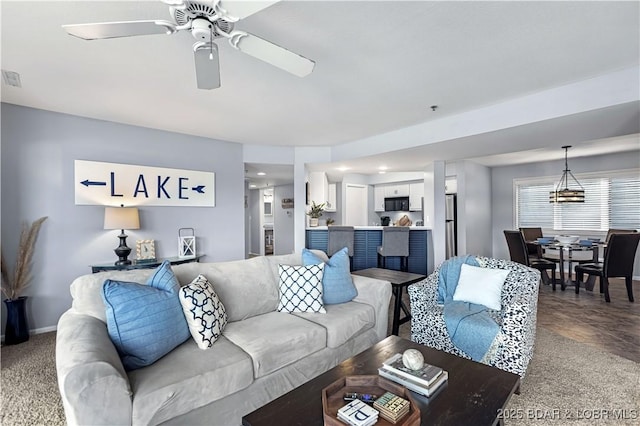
{"type": "Point", "coordinates": [366, 242]}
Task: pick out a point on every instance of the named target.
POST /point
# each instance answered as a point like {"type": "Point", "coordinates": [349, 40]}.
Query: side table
{"type": "Point", "coordinates": [138, 264]}
{"type": "Point", "coordinates": [399, 281]}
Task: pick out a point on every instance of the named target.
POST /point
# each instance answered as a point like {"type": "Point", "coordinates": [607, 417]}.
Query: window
{"type": "Point", "coordinates": [612, 200]}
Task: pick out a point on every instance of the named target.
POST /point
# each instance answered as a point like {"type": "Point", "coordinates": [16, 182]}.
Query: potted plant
{"type": "Point", "coordinates": [315, 212]}
{"type": "Point", "coordinates": [330, 221]}
{"type": "Point", "coordinates": [17, 330]}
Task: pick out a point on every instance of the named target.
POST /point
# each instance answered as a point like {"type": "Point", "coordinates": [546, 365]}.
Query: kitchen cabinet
{"type": "Point", "coordinates": [416, 193]}
{"type": "Point", "coordinates": [321, 191]}
{"type": "Point", "coordinates": [331, 198]}
{"type": "Point", "coordinates": [318, 187]}
{"type": "Point", "coordinates": [365, 245]}
{"type": "Point", "coordinates": [378, 198]}
{"type": "Point", "coordinates": [396, 190]}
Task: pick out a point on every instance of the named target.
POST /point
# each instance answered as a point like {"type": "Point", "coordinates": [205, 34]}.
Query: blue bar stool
{"type": "Point", "coordinates": [340, 237]}
{"type": "Point", "coordinates": [395, 243]}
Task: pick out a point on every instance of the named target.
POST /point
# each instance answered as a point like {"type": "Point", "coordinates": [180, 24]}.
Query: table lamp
{"type": "Point", "coordinates": [122, 218]}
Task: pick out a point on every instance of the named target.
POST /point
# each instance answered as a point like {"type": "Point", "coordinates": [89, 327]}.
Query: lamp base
{"type": "Point", "coordinates": [122, 251]}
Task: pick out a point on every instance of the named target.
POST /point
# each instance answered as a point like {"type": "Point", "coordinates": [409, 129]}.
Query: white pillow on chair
{"type": "Point", "coordinates": [482, 286]}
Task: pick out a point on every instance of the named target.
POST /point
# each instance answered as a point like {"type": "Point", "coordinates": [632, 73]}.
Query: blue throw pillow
{"type": "Point", "coordinates": [337, 284]}
{"type": "Point", "coordinates": [145, 322]}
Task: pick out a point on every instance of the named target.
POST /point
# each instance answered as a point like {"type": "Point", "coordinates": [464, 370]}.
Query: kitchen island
{"type": "Point", "coordinates": [366, 242]}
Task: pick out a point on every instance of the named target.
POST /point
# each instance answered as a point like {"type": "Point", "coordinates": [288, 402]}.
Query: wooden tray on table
{"type": "Point", "coordinates": [332, 398]}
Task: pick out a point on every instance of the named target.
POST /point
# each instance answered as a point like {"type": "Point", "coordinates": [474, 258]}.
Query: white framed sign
{"type": "Point", "coordinates": [112, 184]}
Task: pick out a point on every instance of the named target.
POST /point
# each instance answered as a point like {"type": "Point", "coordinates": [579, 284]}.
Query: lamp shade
{"type": "Point", "coordinates": [121, 218]}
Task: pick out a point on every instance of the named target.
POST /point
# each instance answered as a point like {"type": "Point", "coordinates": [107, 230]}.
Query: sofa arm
{"type": "Point", "coordinates": [93, 383]}
{"type": "Point", "coordinates": [376, 293]}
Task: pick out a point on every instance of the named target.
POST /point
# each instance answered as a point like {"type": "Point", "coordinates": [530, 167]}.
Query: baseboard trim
{"type": "Point", "coordinates": [38, 331]}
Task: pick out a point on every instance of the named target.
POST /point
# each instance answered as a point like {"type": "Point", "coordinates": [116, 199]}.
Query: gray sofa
{"type": "Point", "coordinates": [261, 355]}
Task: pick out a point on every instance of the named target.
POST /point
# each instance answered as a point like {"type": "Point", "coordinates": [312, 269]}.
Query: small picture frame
{"type": "Point", "coordinates": [146, 250]}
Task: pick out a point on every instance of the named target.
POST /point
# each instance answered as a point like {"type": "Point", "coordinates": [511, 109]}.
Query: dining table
{"type": "Point", "coordinates": [566, 253]}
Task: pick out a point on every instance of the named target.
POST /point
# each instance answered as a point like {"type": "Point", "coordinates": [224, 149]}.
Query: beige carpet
{"type": "Point", "coordinates": [566, 382]}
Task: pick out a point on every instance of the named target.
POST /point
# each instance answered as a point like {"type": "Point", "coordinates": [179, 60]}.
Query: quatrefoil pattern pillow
{"type": "Point", "coordinates": [301, 288]}
{"type": "Point", "coordinates": [204, 311]}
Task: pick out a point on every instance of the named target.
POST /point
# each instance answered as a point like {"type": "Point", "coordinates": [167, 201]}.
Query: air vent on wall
{"type": "Point", "coordinates": [11, 78]}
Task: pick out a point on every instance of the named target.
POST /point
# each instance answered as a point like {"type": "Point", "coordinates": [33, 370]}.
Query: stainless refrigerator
{"type": "Point", "coordinates": [451, 228]}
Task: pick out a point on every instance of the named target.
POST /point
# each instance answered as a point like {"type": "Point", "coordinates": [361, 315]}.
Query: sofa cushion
{"type": "Point", "coordinates": [204, 312]}
{"type": "Point", "coordinates": [276, 339]}
{"type": "Point", "coordinates": [145, 322]}
{"type": "Point", "coordinates": [86, 290]}
{"type": "Point", "coordinates": [337, 284]}
{"type": "Point", "coordinates": [188, 378]}
{"type": "Point", "coordinates": [245, 287]}
{"type": "Point", "coordinates": [301, 288]}
{"type": "Point", "coordinates": [282, 259]}
{"type": "Point", "coordinates": [343, 321]}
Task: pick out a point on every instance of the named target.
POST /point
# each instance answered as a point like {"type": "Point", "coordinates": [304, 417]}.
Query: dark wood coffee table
{"type": "Point", "coordinates": [475, 393]}
{"type": "Point", "coordinates": [399, 281]}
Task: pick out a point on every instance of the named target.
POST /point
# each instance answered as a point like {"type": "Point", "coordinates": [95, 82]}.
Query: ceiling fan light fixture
{"type": "Point", "coordinates": [563, 194]}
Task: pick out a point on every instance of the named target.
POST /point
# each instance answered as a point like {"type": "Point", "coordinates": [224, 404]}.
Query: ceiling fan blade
{"type": "Point", "coordinates": [235, 10]}
{"type": "Point", "coordinates": [119, 29]}
{"type": "Point", "coordinates": [207, 65]}
{"type": "Point", "coordinates": [271, 53]}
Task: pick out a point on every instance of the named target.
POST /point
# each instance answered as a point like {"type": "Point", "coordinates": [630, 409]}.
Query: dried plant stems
{"type": "Point", "coordinates": [12, 288]}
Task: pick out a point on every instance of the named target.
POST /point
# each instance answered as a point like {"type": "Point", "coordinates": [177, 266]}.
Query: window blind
{"type": "Point", "coordinates": [612, 200]}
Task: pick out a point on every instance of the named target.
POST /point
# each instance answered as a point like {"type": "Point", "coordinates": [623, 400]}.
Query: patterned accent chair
{"type": "Point", "coordinates": [517, 319]}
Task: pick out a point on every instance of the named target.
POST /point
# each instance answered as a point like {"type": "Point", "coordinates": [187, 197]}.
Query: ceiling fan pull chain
{"type": "Point", "coordinates": [211, 44]}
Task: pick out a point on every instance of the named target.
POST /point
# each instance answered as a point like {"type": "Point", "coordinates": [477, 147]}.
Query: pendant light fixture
{"type": "Point", "coordinates": [563, 194]}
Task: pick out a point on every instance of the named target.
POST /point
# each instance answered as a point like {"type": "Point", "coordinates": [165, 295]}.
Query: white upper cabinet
{"type": "Point", "coordinates": [331, 198]}
{"type": "Point", "coordinates": [318, 190]}
{"type": "Point", "coordinates": [378, 198]}
{"type": "Point", "coordinates": [321, 191]}
{"type": "Point", "coordinates": [416, 192]}
{"type": "Point", "coordinates": [396, 190]}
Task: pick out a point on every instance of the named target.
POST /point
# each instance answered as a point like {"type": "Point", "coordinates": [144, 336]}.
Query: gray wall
{"type": "Point", "coordinates": [255, 225]}
{"type": "Point", "coordinates": [282, 221]}
{"type": "Point", "coordinates": [38, 153]}
{"type": "Point", "coordinates": [474, 208]}
{"type": "Point", "coordinates": [502, 188]}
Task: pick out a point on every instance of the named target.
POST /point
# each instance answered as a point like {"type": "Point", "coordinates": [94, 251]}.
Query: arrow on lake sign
{"type": "Point", "coordinates": [88, 182]}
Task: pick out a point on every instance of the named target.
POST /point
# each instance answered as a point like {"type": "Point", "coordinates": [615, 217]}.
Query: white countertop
{"type": "Point", "coordinates": [368, 227]}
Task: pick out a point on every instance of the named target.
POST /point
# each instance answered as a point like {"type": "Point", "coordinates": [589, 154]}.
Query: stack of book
{"type": "Point", "coordinates": [357, 413]}
{"type": "Point", "coordinates": [424, 381]}
{"type": "Point", "coordinates": [391, 407]}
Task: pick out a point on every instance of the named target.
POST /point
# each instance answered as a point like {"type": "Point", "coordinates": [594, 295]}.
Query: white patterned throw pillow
{"type": "Point", "coordinates": [204, 311]}
{"type": "Point", "coordinates": [301, 288]}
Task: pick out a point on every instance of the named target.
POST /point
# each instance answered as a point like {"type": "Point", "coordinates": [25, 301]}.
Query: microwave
{"type": "Point", "coordinates": [396, 204]}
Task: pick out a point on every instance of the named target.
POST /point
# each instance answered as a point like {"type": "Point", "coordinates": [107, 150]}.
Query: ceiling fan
{"type": "Point", "coordinates": [207, 21]}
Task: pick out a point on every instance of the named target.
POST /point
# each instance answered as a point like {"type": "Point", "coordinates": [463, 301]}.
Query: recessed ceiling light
{"type": "Point", "coordinates": [253, 185]}
{"type": "Point", "coordinates": [381, 172]}
{"type": "Point", "coordinates": [382, 168]}
{"type": "Point", "coordinates": [261, 173]}
{"type": "Point", "coordinates": [343, 168]}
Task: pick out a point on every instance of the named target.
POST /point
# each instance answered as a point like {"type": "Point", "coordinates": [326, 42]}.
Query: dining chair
{"type": "Point", "coordinates": [532, 234]}
{"type": "Point", "coordinates": [518, 252]}
{"type": "Point", "coordinates": [618, 263]}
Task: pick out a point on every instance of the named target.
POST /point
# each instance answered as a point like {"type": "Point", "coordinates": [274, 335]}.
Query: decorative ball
{"type": "Point", "coordinates": [413, 359]}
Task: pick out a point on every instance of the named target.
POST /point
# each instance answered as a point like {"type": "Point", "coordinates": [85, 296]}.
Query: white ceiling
{"type": "Point", "coordinates": [379, 66]}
